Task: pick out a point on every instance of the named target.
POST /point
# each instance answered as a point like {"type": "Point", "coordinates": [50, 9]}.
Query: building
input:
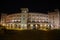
{"type": "Point", "coordinates": [29, 20]}
{"type": "Point", "coordinates": [54, 19]}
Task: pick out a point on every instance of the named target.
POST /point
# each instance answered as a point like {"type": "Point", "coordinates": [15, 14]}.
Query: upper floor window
{"type": "Point", "coordinates": [23, 18]}
{"type": "Point", "coordinates": [29, 15]}
{"type": "Point", "coordinates": [33, 15]}
{"type": "Point", "coordinates": [40, 15]}
{"type": "Point", "coordinates": [20, 18]}
{"type": "Point", "coordinates": [20, 15]}
{"type": "Point", "coordinates": [24, 15]}
{"type": "Point", "coordinates": [37, 15]}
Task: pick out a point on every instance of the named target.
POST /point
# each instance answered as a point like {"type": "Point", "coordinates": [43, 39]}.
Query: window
{"type": "Point", "coordinates": [24, 15]}
{"type": "Point", "coordinates": [46, 16]}
{"type": "Point", "coordinates": [33, 15]}
{"type": "Point", "coordinates": [29, 18]}
{"type": "Point", "coordinates": [40, 15]}
{"type": "Point", "coordinates": [20, 18]}
{"type": "Point", "coordinates": [23, 18]}
{"type": "Point", "coordinates": [46, 19]}
{"type": "Point", "coordinates": [37, 15]}
{"type": "Point", "coordinates": [29, 15]}
{"type": "Point", "coordinates": [20, 15]}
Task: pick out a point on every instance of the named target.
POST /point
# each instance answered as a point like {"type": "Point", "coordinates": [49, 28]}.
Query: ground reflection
{"type": "Point", "coordinates": [29, 35]}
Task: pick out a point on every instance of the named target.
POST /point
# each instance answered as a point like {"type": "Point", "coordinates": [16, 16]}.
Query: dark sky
{"type": "Point", "coordinates": [12, 6]}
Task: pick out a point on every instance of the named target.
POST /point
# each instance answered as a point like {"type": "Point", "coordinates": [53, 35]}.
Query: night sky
{"type": "Point", "coordinates": [13, 6]}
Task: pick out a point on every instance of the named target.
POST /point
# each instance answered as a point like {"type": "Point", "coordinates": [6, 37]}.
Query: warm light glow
{"type": "Point", "coordinates": [39, 20]}
{"type": "Point", "coordinates": [42, 20]}
{"type": "Point", "coordinates": [7, 25]}
{"type": "Point", "coordinates": [18, 20]}
{"type": "Point", "coordinates": [21, 24]}
{"type": "Point", "coordinates": [13, 25]}
{"type": "Point", "coordinates": [31, 25]}
{"type": "Point", "coordinates": [45, 29]}
{"type": "Point", "coordinates": [35, 20]}
{"type": "Point", "coordinates": [25, 25]}
{"type": "Point", "coordinates": [48, 25]}
{"type": "Point", "coordinates": [36, 25]}
{"type": "Point", "coordinates": [52, 26]}
{"type": "Point", "coordinates": [37, 17]}
{"type": "Point", "coordinates": [12, 20]}
{"type": "Point", "coordinates": [15, 20]}
{"type": "Point", "coordinates": [41, 25]}
{"type": "Point", "coordinates": [45, 25]}
{"type": "Point", "coordinates": [4, 24]}
{"type": "Point", "coordinates": [32, 17]}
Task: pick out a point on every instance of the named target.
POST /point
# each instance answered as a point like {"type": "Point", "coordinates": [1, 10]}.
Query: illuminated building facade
{"type": "Point", "coordinates": [54, 19]}
{"type": "Point", "coordinates": [28, 20]}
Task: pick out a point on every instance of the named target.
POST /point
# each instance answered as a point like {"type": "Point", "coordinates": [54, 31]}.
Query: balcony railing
{"type": "Point", "coordinates": [37, 22]}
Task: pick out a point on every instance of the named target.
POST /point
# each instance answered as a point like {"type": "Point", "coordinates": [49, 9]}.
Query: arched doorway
{"type": "Point", "coordinates": [28, 27]}
{"type": "Point", "coordinates": [34, 26]}
{"type": "Point", "coordinates": [19, 26]}
{"type": "Point", "coordinates": [37, 26]}
{"type": "Point", "coordinates": [15, 25]}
